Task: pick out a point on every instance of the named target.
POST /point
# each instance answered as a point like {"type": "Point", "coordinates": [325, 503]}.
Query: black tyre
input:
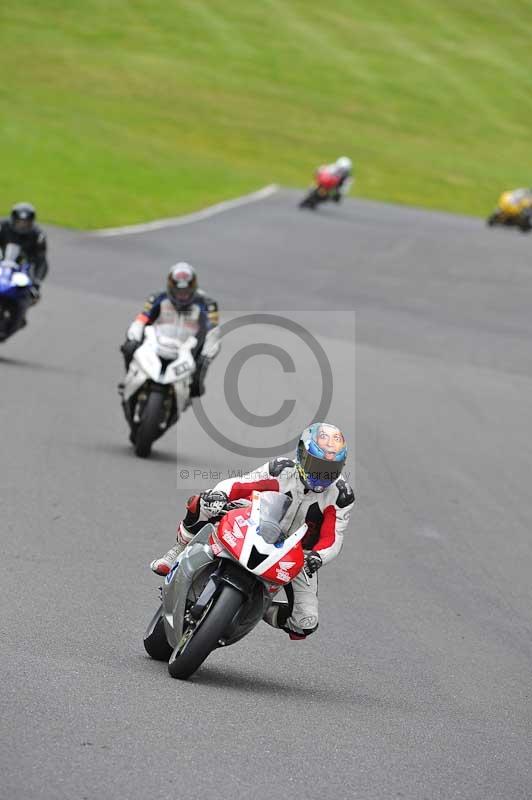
{"type": "Point", "coordinates": [207, 635]}
{"type": "Point", "coordinates": [5, 322]}
{"type": "Point", "coordinates": [155, 641]}
{"type": "Point", "coordinates": [148, 429]}
{"type": "Point", "coordinates": [493, 219]}
{"type": "Point", "coordinates": [310, 200]}
{"type": "Point", "coordinates": [525, 222]}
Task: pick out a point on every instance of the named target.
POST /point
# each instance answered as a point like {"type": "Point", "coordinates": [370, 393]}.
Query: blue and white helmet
{"type": "Point", "coordinates": [321, 455]}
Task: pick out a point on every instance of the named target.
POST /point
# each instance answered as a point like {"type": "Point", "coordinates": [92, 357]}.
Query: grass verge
{"type": "Point", "coordinates": [119, 112]}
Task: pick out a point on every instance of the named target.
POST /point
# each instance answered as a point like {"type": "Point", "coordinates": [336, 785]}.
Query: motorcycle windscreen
{"type": "Point", "coordinates": [167, 342]}
{"type": "Point", "coordinates": [272, 510]}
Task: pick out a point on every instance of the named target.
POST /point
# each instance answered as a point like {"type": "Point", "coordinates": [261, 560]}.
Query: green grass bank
{"type": "Point", "coordinates": [115, 112]}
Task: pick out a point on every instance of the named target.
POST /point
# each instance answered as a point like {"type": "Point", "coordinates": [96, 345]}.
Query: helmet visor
{"type": "Point", "coordinates": [23, 225]}
{"type": "Point", "coordinates": [320, 472]}
{"type": "Point", "coordinates": [182, 296]}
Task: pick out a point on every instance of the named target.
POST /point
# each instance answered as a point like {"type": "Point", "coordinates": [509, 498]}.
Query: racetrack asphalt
{"type": "Point", "coordinates": [417, 683]}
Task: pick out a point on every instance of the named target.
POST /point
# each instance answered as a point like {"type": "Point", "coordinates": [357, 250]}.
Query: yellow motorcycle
{"type": "Point", "coordinates": [514, 208]}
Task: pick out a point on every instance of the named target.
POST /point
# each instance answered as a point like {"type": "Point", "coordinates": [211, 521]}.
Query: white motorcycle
{"type": "Point", "coordinates": [156, 389]}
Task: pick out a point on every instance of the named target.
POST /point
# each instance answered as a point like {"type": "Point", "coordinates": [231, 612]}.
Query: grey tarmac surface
{"type": "Point", "coordinates": [417, 683]}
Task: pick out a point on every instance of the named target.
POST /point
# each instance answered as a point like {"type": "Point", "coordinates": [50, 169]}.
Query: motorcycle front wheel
{"type": "Point", "coordinates": [310, 201]}
{"type": "Point", "coordinates": [5, 322]}
{"type": "Point", "coordinates": [525, 223]}
{"type": "Point", "coordinates": [148, 429]}
{"type": "Point", "coordinates": [196, 645]}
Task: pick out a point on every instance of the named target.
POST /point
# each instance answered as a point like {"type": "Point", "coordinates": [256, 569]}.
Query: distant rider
{"type": "Point", "coordinates": [343, 168]}
{"type": "Point", "coordinates": [181, 311]}
{"type": "Point", "coordinates": [21, 229]}
{"type": "Point", "coordinates": [321, 498]}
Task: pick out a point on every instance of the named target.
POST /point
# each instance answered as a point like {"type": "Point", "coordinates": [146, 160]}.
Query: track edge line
{"type": "Point", "coordinates": [188, 219]}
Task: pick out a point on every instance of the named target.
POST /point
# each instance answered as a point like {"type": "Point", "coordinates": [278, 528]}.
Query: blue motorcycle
{"type": "Point", "coordinates": [15, 292]}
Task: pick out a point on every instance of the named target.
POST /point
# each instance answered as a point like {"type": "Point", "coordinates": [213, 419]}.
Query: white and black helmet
{"type": "Point", "coordinates": [182, 284]}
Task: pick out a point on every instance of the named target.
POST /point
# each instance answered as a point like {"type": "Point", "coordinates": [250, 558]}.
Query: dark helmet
{"type": "Point", "coordinates": [182, 285]}
{"type": "Point", "coordinates": [22, 217]}
{"type": "Point", "coordinates": [321, 456]}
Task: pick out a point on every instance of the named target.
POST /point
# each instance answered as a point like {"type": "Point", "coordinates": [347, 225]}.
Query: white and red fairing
{"type": "Point", "coordinates": [238, 534]}
{"type": "Point", "coordinates": [326, 178]}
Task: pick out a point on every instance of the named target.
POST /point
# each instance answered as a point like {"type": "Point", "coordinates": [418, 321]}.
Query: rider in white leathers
{"type": "Point", "coordinates": [321, 498]}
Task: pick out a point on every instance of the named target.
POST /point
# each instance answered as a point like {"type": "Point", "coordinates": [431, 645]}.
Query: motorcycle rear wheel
{"type": "Point", "coordinates": [148, 429]}
{"type": "Point", "coordinates": [183, 663]}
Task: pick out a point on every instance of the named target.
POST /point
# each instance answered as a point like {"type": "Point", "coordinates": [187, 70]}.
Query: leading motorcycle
{"type": "Point", "coordinates": [224, 581]}
{"type": "Point", "coordinates": [327, 188]}
{"type": "Point", "coordinates": [156, 389]}
{"type": "Point", "coordinates": [15, 290]}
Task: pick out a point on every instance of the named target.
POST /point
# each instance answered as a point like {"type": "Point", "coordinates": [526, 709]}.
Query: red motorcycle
{"type": "Point", "coordinates": [326, 188]}
{"type": "Point", "coordinates": [224, 582]}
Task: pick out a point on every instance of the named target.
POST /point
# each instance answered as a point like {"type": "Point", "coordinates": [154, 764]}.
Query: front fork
{"type": "Point", "coordinates": [227, 572]}
{"type": "Point", "coordinates": [134, 407]}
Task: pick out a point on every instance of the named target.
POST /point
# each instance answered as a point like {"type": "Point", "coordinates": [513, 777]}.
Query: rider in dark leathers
{"type": "Point", "coordinates": [21, 229]}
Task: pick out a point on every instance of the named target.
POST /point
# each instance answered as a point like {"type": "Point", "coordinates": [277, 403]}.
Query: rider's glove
{"type": "Point", "coordinates": [211, 345]}
{"type": "Point", "coordinates": [312, 563]}
{"type": "Point", "coordinates": [128, 348]}
{"type": "Point", "coordinates": [135, 332]}
{"type": "Point", "coordinates": [213, 503]}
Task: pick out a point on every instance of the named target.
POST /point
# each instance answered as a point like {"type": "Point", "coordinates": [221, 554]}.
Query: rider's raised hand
{"type": "Point", "coordinates": [135, 332]}
{"type": "Point", "coordinates": [213, 503]}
